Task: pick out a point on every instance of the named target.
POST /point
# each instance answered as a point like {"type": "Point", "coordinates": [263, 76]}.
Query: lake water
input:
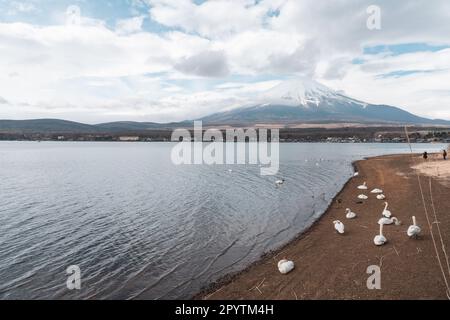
{"type": "Point", "coordinates": [140, 227]}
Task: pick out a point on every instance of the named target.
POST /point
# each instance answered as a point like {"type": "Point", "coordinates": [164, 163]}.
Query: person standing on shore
{"type": "Point", "coordinates": [425, 155]}
{"type": "Point", "coordinates": [444, 154]}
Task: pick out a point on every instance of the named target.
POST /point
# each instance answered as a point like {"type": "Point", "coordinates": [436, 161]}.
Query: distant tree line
{"type": "Point", "coordinates": [359, 134]}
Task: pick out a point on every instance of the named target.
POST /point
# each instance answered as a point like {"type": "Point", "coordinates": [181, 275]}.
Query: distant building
{"type": "Point", "coordinates": [129, 139]}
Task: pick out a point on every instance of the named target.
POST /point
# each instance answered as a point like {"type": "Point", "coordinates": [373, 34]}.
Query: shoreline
{"type": "Point", "coordinates": [228, 278]}
{"type": "Point", "coordinates": [251, 283]}
{"type": "Point", "coordinates": [281, 142]}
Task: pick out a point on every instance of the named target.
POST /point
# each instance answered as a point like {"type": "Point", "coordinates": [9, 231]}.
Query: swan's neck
{"type": "Point", "coordinates": [414, 221]}
{"type": "Point", "coordinates": [381, 229]}
{"type": "Point", "coordinates": [386, 206]}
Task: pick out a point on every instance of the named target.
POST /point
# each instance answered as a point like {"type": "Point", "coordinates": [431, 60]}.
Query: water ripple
{"type": "Point", "coordinates": [142, 228]}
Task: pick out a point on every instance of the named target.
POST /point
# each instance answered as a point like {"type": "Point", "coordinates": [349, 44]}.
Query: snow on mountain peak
{"type": "Point", "coordinates": [301, 92]}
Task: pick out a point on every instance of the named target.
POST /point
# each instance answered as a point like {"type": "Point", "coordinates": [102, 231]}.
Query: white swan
{"type": "Point", "coordinates": [356, 174]}
{"type": "Point", "coordinates": [414, 230]}
{"type": "Point", "coordinates": [386, 213]}
{"type": "Point", "coordinates": [279, 182]}
{"type": "Point", "coordinates": [363, 197]}
{"type": "Point", "coordinates": [363, 186]}
{"type": "Point", "coordinates": [380, 240]}
{"type": "Point", "coordinates": [285, 266]}
{"type": "Point", "coordinates": [388, 221]}
{"type": "Point", "coordinates": [376, 191]}
{"type": "Point", "coordinates": [350, 214]}
{"type": "Point", "coordinates": [381, 197]}
{"type": "Point", "coordinates": [339, 226]}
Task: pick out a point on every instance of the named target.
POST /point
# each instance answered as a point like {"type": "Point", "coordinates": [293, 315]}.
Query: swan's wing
{"type": "Point", "coordinates": [286, 267]}
{"type": "Point", "coordinates": [340, 227]}
{"type": "Point", "coordinates": [281, 263]}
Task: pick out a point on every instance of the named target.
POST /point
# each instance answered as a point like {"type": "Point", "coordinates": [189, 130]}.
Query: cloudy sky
{"type": "Point", "coordinates": [170, 60]}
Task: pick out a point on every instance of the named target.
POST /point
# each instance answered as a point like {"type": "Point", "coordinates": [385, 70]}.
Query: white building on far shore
{"type": "Point", "coordinates": [129, 139]}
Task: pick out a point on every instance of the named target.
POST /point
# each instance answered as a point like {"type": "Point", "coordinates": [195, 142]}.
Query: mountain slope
{"type": "Point", "coordinates": [127, 125]}
{"type": "Point", "coordinates": [291, 102]}
{"type": "Point", "coordinates": [140, 126]}
{"type": "Point", "coordinates": [66, 127]}
{"type": "Point", "coordinates": [304, 100]}
{"type": "Point", "coordinates": [46, 125]}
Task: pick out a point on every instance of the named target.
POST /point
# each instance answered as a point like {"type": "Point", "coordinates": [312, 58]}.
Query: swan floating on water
{"type": "Point", "coordinates": [339, 227]}
{"type": "Point", "coordinates": [279, 182]}
{"type": "Point", "coordinates": [389, 221]}
{"type": "Point", "coordinates": [386, 213]}
{"type": "Point", "coordinates": [285, 266]}
{"type": "Point", "coordinates": [381, 197]}
{"type": "Point", "coordinates": [380, 240]}
{"type": "Point", "coordinates": [376, 191]}
{"type": "Point", "coordinates": [363, 186]}
{"type": "Point", "coordinates": [363, 197]}
{"type": "Point", "coordinates": [414, 230]}
{"type": "Point", "coordinates": [350, 214]}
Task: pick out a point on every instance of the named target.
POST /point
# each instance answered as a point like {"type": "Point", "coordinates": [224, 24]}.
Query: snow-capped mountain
{"type": "Point", "coordinates": [302, 92]}
{"type": "Point", "coordinates": [289, 103]}
{"type": "Point", "coordinates": [307, 101]}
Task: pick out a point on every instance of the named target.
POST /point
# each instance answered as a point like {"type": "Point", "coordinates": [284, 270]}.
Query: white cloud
{"type": "Point", "coordinates": [219, 18]}
{"type": "Point", "coordinates": [94, 72]}
{"type": "Point", "coordinates": [42, 57]}
{"type": "Point", "coordinates": [205, 64]}
{"type": "Point", "coordinates": [423, 89]}
{"type": "Point", "coordinates": [132, 25]}
{"type": "Point", "coordinates": [3, 100]}
{"type": "Point", "coordinates": [16, 7]}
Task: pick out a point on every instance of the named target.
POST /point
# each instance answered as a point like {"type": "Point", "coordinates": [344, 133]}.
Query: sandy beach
{"type": "Point", "coordinates": [334, 266]}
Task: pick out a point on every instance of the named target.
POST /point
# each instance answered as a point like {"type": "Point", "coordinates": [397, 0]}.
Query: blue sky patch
{"type": "Point", "coordinates": [399, 49]}
{"type": "Point", "coordinates": [402, 73]}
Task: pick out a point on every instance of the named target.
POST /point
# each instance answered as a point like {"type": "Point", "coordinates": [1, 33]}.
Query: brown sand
{"type": "Point", "coordinates": [436, 168]}
{"type": "Point", "coordinates": [333, 266]}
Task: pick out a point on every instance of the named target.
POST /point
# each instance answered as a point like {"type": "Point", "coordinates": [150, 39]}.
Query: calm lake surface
{"type": "Point", "coordinates": [140, 227]}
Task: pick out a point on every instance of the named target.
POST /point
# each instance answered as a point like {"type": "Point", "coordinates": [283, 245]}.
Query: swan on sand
{"type": "Point", "coordinates": [380, 239]}
{"type": "Point", "coordinates": [285, 266]}
{"type": "Point", "coordinates": [339, 226]}
{"type": "Point", "coordinates": [376, 191]}
{"type": "Point", "coordinates": [363, 186]}
{"type": "Point", "coordinates": [389, 221]}
{"type": "Point", "coordinates": [381, 197]}
{"type": "Point", "coordinates": [414, 230]}
{"type": "Point", "coordinates": [386, 213]}
{"type": "Point", "coordinates": [363, 197]}
{"type": "Point", "coordinates": [350, 214]}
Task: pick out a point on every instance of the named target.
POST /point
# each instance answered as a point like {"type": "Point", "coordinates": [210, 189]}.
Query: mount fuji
{"type": "Point", "coordinates": [307, 101]}
{"type": "Point", "coordinates": [289, 104]}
